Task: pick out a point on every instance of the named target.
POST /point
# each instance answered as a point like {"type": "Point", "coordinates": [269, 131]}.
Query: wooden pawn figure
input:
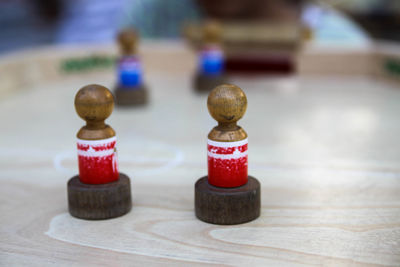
{"type": "Point", "coordinates": [99, 191]}
{"type": "Point", "coordinates": [130, 90]}
{"type": "Point", "coordinates": [227, 195]}
{"type": "Point", "coordinates": [210, 72]}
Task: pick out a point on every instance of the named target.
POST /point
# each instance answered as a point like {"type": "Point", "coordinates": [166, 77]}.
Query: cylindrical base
{"type": "Point", "coordinates": [131, 96]}
{"type": "Point", "coordinates": [226, 206]}
{"type": "Point", "coordinates": [205, 83]}
{"type": "Point", "coordinates": [99, 201]}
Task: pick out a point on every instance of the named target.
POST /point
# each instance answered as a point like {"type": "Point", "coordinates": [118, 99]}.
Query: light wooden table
{"type": "Point", "coordinates": [324, 147]}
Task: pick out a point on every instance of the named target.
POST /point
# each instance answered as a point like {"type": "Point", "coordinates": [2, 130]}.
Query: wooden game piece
{"type": "Point", "coordinates": [99, 191]}
{"type": "Point", "coordinates": [130, 90]}
{"type": "Point", "coordinates": [211, 59]}
{"type": "Point", "coordinates": [256, 47]}
{"type": "Point", "coordinates": [227, 195]}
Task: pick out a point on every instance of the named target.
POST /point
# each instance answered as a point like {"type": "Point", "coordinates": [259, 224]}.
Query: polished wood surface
{"type": "Point", "coordinates": [324, 148]}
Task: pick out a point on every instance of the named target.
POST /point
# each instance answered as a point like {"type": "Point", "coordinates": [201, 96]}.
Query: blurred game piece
{"type": "Point", "coordinates": [99, 191]}
{"type": "Point", "coordinates": [259, 37]}
{"type": "Point", "coordinates": [210, 71]}
{"type": "Point", "coordinates": [227, 195]}
{"type": "Point", "coordinates": [130, 90]}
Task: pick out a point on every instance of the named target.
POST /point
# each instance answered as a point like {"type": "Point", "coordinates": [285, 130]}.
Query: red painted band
{"type": "Point", "coordinates": [97, 161]}
{"type": "Point", "coordinates": [227, 163]}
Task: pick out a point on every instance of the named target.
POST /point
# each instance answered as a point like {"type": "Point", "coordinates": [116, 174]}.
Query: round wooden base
{"type": "Point", "coordinates": [225, 206]}
{"type": "Point", "coordinates": [131, 96]}
{"type": "Point", "coordinates": [100, 201]}
{"type": "Point", "coordinates": [205, 83]}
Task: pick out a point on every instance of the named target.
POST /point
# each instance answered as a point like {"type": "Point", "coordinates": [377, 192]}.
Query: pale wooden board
{"type": "Point", "coordinates": [323, 147]}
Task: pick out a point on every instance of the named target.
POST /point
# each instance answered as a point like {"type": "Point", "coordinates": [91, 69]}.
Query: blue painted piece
{"type": "Point", "coordinates": [211, 61]}
{"type": "Point", "coordinates": [130, 72]}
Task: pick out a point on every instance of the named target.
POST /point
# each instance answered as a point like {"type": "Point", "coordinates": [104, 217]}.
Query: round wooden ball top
{"type": "Point", "coordinates": [212, 32]}
{"type": "Point", "coordinates": [94, 103]}
{"type": "Point", "coordinates": [127, 40]}
{"type": "Point", "coordinates": [227, 104]}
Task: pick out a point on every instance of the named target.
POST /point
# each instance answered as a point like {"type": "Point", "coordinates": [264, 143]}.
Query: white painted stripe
{"type": "Point", "coordinates": [93, 153]}
{"type": "Point", "coordinates": [235, 155]}
{"type": "Point", "coordinates": [96, 142]}
{"type": "Point", "coordinates": [227, 144]}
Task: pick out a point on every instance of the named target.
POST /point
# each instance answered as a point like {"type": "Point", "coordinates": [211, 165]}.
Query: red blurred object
{"type": "Point", "coordinates": [252, 65]}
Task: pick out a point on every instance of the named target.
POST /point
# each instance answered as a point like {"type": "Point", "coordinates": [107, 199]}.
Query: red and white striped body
{"type": "Point", "coordinates": [227, 163]}
{"type": "Point", "coordinates": [97, 161]}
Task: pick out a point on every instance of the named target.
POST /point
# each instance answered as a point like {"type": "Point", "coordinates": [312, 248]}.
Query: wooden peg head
{"type": "Point", "coordinates": [227, 103]}
{"type": "Point", "coordinates": [94, 103]}
{"type": "Point", "coordinates": [212, 32]}
{"type": "Point", "coordinates": [127, 40]}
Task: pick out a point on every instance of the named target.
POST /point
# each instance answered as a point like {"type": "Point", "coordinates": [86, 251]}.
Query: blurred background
{"type": "Point", "coordinates": [29, 23]}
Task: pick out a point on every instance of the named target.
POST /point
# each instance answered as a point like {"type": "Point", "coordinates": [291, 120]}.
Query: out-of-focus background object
{"type": "Point", "coordinates": [381, 18]}
{"type": "Point", "coordinates": [258, 36]}
{"type": "Point", "coordinates": [273, 10]}
{"type": "Point", "coordinates": [27, 23]}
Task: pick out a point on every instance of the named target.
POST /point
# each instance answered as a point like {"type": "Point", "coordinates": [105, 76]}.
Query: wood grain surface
{"type": "Point", "coordinates": [324, 149]}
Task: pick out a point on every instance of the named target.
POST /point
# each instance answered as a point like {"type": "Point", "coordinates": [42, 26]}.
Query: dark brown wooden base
{"type": "Point", "coordinates": [205, 83]}
{"type": "Point", "coordinates": [225, 206]}
{"type": "Point", "coordinates": [131, 96]}
{"type": "Point", "coordinates": [100, 201]}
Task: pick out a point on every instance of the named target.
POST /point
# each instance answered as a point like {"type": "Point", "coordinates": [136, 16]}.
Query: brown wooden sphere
{"type": "Point", "coordinates": [94, 103]}
{"type": "Point", "coordinates": [212, 31]}
{"type": "Point", "coordinates": [127, 40]}
{"type": "Point", "coordinates": [227, 103]}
